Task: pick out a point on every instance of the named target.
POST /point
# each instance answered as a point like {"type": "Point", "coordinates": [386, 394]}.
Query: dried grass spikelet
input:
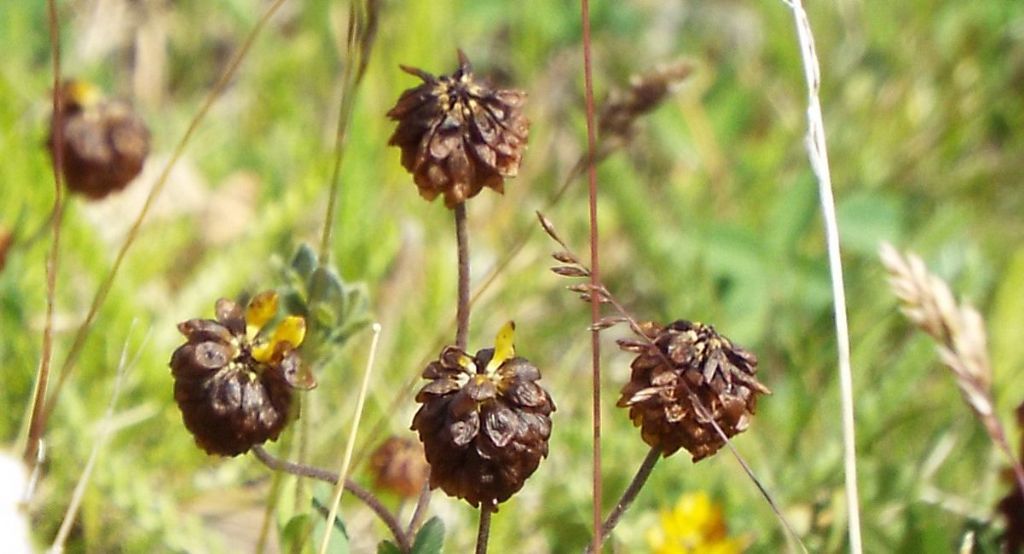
{"type": "Point", "coordinates": [618, 115]}
{"type": "Point", "coordinates": [958, 330]}
{"type": "Point", "coordinates": [6, 239]}
{"type": "Point", "coordinates": [458, 135]}
{"type": "Point", "coordinates": [398, 465]}
{"type": "Point", "coordinates": [104, 143]}
{"type": "Point", "coordinates": [686, 378]}
{"type": "Point", "coordinates": [233, 382]}
{"type": "Point", "coordinates": [484, 422]}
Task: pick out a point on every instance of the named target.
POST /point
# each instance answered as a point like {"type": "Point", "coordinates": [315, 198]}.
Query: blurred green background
{"type": "Point", "coordinates": [709, 213]}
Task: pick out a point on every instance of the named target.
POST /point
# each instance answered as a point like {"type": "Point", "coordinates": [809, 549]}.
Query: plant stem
{"type": "Point", "coordinates": [421, 509]}
{"type": "Point", "coordinates": [38, 421]}
{"type": "Point", "coordinates": [484, 532]}
{"type": "Point", "coordinates": [347, 459]}
{"type": "Point", "coordinates": [327, 476]}
{"type": "Point", "coordinates": [629, 495]}
{"type": "Point", "coordinates": [104, 288]}
{"type": "Point", "coordinates": [595, 275]}
{"type": "Point", "coordinates": [817, 150]}
{"type": "Point", "coordinates": [462, 312]}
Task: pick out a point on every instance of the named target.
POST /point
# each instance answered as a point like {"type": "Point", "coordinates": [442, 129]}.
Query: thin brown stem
{"type": "Point", "coordinates": [35, 432]}
{"type": "Point", "coordinates": [629, 495]}
{"type": "Point", "coordinates": [104, 289]}
{"type": "Point", "coordinates": [462, 312]}
{"type": "Point", "coordinates": [595, 275]}
{"type": "Point", "coordinates": [483, 533]}
{"type": "Point", "coordinates": [421, 510]}
{"type": "Point", "coordinates": [328, 476]}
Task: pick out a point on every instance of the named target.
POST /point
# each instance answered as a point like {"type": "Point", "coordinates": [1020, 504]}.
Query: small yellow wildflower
{"type": "Point", "coordinates": [694, 526]}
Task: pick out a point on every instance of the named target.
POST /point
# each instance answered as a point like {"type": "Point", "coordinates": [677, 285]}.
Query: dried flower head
{"type": "Point", "coordinates": [458, 135]}
{"type": "Point", "coordinates": [103, 143]}
{"type": "Point", "coordinates": [484, 421]}
{"type": "Point", "coordinates": [232, 381]}
{"type": "Point", "coordinates": [695, 525]}
{"type": "Point", "coordinates": [398, 465]}
{"type": "Point", "coordinates": [686, 376]}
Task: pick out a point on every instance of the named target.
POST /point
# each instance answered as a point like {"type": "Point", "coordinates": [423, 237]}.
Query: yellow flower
{"type": "Point", "coordinates": [694, 526]}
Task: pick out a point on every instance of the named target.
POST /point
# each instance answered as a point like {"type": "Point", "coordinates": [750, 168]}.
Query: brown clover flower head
{"type": "Point", "coordinates": [458, 135]}
{"type": "Point", "coordinates": [683, 379]}
{"type": "Point", "coordinates": [232, 382]}
{"type": "Point", "coordinates": [484, 421]}
{"type": "Point", "coordinates": [104, 143]}
{"type": "Point", "coordinates": [398, 465]}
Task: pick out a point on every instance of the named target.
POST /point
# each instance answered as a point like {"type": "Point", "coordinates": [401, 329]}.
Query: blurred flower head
{"type": "Point", "coordinates": [484, 421]}
{"type": "Point", "coordinates": [694, 526]}
{"type": "Point", "coordinates": [233, 377]}
{"type": "Point", "coordinates": [103, 142]}
{"type": "Point", "coordinates": [398, 465]}
{"type": "Point", "coordinates": [458, 135]}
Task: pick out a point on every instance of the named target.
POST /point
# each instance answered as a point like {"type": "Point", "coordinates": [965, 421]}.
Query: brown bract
{"type": "Point", "coordinates": [457, 135]}
{"type": "Point", "coordinates": [690, 377]}
{"type": "Point", "coordinates": [103, 143]}
{"type": "Point", "coordinates": [484, 434]}
{"type": "Point", "coordinates": [229, 401]}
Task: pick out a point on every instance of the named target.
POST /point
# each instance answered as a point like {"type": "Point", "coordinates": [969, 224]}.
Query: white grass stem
{"type": "Point", "coordinates": [818, 153]}
{"type": "Point", "coordinates": [106, 429]}
{"type": "Point", "coordinates": [347, 459]}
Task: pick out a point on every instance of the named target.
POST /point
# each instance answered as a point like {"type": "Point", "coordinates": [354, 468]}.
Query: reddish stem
{"type": "Point", "coordinates": [595, 275]}
{"type": "Point", "coordinates": [36, 426]}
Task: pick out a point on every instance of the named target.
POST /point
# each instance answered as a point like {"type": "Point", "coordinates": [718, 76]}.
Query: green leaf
{"type": "Point", "coordinates": [296, 532]}
{"type": "Point", "coordinates": [388, 547]}
{"type": "Point", "coordinates": [430, 539]}
{"type": "Point", "coordinates": [304, 262]}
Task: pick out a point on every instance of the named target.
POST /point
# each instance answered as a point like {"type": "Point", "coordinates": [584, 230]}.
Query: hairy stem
{"type": "Point", "coordinates": [328, 476]}
{"type": "Point", "coordinates": [595, 275]}
{"type": "Point", "coordinates": [37, 419]}
{"type": "Point", "coordinates": [817, 151]}
{"type": "Point", "coordinates": [462, 312]}
{"type": "Point", "coordinates": [104, 288]}
{"type": "Point", "coordinates": [420, 512]}
{"type": "Point", "coordinates": [628, 496]}
{"type": "Point", "coordinates": [483, 533]}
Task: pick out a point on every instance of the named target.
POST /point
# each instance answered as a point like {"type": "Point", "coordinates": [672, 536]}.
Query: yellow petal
{"type": "Point", "coordinates": [504, 346]}
{"type": "Point", "coordinates": [263, 352]}
{"type": "Point", "coordinates": [291, 330]}
{"type": "Point", "coordinates": [83, 93]}
{"type": "Point", "coordinates": [262, 308]}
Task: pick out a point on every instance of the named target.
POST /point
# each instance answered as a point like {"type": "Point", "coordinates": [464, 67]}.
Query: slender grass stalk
{"type": "Point", "coordinates": [103, 290]}
{"type": "Point", "coordinates": [483, 533]}
{"type": "Point", "coordinates": [106, 430]}
{"type": "Point", "coordinates": [817, 150]}
{"type": "Point", "coordinates": [628, 496]}
{"type": "Point", "coordinates": [360, 401]}
{"type": "Point", "coordinates": [328, 476]}
{"type": "Point", "coordinates": [595, 275]}
{"type": "Point", "coordinates": [35, 429]}
{"type": "Point", "coordinates": [362, 26]}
